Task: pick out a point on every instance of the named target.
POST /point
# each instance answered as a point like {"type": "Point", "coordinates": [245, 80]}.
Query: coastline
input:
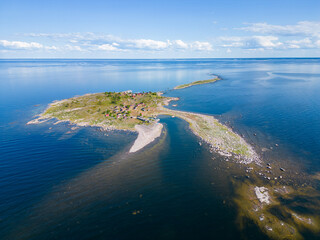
{"type": "Point", "coordinates": [219, 137]}
{"type": "Point", "coordinates": [257, 188]}
{"type": "Point", "coordinates": [200, 82]}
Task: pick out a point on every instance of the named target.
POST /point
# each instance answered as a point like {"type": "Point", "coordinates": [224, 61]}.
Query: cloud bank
{"type": "Point", "coordinates": [303, 28]}
{"type": "Point", "coordinates": [109, 43]}
{"type": "Point", "coordinates": [303, 35]}
{"type": "Point", "coordinates": [253, 36]}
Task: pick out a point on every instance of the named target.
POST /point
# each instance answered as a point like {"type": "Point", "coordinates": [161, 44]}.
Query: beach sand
{"type": "Point", "coordinates": [146, 135]}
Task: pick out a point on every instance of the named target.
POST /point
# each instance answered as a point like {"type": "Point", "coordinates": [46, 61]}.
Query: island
{"type": "Point", "coordinates": [197, 83]}
{"type": "Point", "coordinates": [139, 112]}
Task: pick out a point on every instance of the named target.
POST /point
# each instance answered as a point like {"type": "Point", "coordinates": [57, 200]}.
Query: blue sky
{"type": "Point", "coordinates": [159, 29]}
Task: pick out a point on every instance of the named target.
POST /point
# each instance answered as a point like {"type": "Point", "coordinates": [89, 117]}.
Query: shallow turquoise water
{"type": "Point", "coordinates": [83, 185]}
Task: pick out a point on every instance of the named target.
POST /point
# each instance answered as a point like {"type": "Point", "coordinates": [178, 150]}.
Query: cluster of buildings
{"type": "Point", "coordinates": [129, 111]}
{"type": "Point", "coordinates": [133, 95]}
{"type": "Point", "coordinates": [123, 112]}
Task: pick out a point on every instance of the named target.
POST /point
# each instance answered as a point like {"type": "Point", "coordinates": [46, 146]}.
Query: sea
{"type": "Point", "coordinates": [62, 182]}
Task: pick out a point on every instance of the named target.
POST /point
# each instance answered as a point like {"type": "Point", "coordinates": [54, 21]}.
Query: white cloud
{"type": "Point", "coordinates": [201, 46]}
{"type": "Point", "coordinates": [254, 37]}
{"type": "Point", "coordinates": [180, 44]}
{"type": "Point", "coordinates": [146, 44]}
{"type": "Point", "coordinates": [253, 42]}
{"type": "Point", "coordinates": [107, 42]}
{"type": "Point", "coordinates": [107, 47]}
{"type": "Point", "coordinates": [267, 42]}
{"type": "Point", "coordinates": [303, 43]}
{"type": "Point", "coordinates": [20, 45]}
{"type": "Point", "coordinates": [303, 35]}
{"type": "Point", "coordinates": [304, 28]}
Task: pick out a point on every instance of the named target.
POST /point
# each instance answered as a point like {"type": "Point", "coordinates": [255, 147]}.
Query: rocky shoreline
{"type": "Point", "coordinates": [260, 186]}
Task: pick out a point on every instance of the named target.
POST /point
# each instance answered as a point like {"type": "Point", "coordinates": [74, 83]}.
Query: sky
{"type": "Point", "coordinates": [159, 29]}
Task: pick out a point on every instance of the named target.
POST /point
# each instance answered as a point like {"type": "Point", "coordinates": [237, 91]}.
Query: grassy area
{"type": "Point", "coordinates": [120, 110]}
{"type": "Point", "coordinates": [197, 83]}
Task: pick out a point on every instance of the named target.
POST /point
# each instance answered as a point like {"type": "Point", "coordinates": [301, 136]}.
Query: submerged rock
{"type": "Point", "coordinates": [262, 194]}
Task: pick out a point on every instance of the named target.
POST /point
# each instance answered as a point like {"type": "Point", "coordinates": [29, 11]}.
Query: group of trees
{"type": "Point", "coordinates": [115, 98]}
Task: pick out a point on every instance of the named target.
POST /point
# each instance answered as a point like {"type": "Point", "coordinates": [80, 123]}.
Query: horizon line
{"type": "Point", "coordinates": [158, 58]}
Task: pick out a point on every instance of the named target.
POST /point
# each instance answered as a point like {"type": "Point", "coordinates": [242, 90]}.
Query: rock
{"type": "Point", "coordinates": [268, 228]}
{"type": "Point", "coordinates": [254, 134]}
{"type": "Point", "coordinates": [262, 194]}
{"type": "Point", "coordinates": [277, 145]}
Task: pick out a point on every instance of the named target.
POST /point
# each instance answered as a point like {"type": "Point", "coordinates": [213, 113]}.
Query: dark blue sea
{"type": "Point", "coordinates": [59, 183]}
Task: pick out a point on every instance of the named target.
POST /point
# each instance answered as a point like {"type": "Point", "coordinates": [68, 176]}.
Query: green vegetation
{"type": "Point", "coordinates": [110, 109]}
{"type": "Point", "coordinates": [197, 83]}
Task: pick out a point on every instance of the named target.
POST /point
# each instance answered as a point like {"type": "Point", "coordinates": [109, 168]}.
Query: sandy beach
{"type": "Point", "coordinates": [146, 135]}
